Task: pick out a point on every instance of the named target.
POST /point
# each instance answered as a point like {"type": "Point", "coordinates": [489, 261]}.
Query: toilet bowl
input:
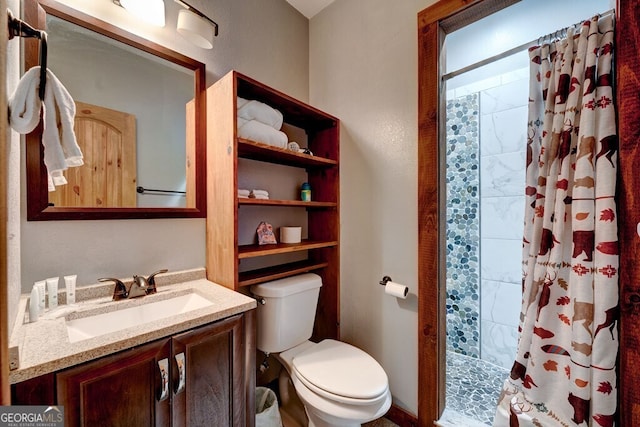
{"type": "Point", "coordinates": [339, 384]}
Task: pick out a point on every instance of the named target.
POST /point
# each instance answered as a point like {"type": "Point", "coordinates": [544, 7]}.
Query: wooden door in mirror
{"type": "Point", "coordinates": [107, 139]}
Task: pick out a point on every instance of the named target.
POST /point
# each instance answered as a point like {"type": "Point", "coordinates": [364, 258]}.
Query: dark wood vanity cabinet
{"type": "Point", "coordinates": [214, 393]}
{"type": "Point", "coordinates": [126, 389]}
{"type": "Point", "coordinates": [117, 390]}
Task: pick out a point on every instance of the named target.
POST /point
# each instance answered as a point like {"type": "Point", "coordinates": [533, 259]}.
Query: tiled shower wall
{"type": "Point", "coordinates": [486, 169]}
{"type": "Point", "coordinates": [463, 225]}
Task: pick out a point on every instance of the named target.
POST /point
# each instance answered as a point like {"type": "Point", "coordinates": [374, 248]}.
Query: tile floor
{"type": "Point", "coordinates": [473, 388]}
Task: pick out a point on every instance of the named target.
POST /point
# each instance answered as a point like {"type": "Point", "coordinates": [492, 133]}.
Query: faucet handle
{"type": "Point", "coordinates": [119, 291]}
{"type": "Point", "coordinates": [151, 281]}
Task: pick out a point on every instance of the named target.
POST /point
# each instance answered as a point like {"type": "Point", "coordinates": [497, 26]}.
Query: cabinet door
{"type": "Point", "coordinates": [214, 386]}
{"type": "Point", "coordinates": [118, 390]}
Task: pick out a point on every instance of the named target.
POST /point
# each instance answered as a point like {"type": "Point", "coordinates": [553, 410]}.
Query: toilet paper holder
{"type": "Point", "coordinates": [394, 289]}
{"type": "Point", "coordinates": [384, 280]}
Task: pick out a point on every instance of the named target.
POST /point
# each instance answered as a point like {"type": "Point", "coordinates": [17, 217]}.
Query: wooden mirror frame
{"type": "Point", "coordinates": [38, 208]}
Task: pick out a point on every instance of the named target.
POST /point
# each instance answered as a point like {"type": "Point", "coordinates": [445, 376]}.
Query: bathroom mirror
{"type": "Point", "coordinates": [148, 99]}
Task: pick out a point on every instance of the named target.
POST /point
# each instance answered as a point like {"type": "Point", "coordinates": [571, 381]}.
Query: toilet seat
{"type": "Point", "coordinates": [341, 372]}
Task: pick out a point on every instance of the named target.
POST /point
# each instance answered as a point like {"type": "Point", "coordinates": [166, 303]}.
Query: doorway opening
{"type": "Point", "coordinates": [483, 140]}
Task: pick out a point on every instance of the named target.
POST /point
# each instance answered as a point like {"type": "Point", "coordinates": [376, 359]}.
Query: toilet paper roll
{"type": "Point", "coordinates": [396, 289]}
{"type": "Point", "coordinates": [290, 234]}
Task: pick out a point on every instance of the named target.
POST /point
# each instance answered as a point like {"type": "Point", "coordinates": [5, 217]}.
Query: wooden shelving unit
{"type": "Point", "coordinates": [224, 148]}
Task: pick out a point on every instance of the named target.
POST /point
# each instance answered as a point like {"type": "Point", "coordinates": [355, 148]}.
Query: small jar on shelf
{"type": "Point", "coordinates": [305, 192]}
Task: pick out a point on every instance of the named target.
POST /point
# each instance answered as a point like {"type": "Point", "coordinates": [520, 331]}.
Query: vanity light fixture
{"type": "Point", "coordinates": [150, 11]}
{"type": "Point", "coordinates": [195, 26]}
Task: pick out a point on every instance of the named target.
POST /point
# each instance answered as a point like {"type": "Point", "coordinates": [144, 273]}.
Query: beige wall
{"type": "Point", "coordinates": [363, 69]}
{"type": "Point", "coordinates": [265, 39]}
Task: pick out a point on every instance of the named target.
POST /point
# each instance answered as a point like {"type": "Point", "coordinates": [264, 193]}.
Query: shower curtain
{"type": "Point", "coordinates": [564, 373]}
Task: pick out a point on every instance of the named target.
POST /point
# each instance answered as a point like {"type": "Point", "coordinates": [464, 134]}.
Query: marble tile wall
{"type": "Point", "coordinates": [484, 245]}
{"type": "Point", "coordinates": [503, 124]}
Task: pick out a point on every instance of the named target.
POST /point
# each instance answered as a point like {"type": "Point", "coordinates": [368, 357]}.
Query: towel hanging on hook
{"type": "Point", "coordinates": [19, 28]}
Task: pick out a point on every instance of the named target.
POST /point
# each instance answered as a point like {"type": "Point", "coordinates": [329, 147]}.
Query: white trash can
{"type": "Point", "coordinates": [267, 413]}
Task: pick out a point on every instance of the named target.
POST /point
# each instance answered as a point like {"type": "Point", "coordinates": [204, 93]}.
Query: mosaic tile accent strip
{"type": "Point", "coordinates": [473, 388]}
{"type": "Point", "coordinates": [463, 225]}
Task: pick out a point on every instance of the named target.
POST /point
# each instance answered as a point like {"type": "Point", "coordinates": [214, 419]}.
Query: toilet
{"type": "Point", "coordinates": [339, 384]}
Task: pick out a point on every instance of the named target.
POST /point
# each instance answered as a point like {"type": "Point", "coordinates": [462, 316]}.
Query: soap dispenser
{"type": "Point", "coordinates": [34, 304]}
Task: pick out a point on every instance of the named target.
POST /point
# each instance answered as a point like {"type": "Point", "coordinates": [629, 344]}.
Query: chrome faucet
{"type": "Point", "coordinates": [149, 284]}
{"type": "Point", "coordinates": [139, 288]}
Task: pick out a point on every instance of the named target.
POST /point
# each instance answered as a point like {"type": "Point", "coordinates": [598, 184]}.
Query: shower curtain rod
{"type": "Point", "coordinates": [513, 50]}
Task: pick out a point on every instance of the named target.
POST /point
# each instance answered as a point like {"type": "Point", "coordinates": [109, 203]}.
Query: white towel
{"type": "Point", "coordinates": [259, 194]}
{"type": "Point", "coordinates": [61, 149]}
{"type": "Point", "coordinates": [259, 132]}
{"type": "Point", "coordinates": [243, 194]}
{"type": "Point", "coordinates": [24, 104]}
{"type": "Point", "coordinates": [241, 102]}
{"type": "Point", "coordinates": [256, 110]}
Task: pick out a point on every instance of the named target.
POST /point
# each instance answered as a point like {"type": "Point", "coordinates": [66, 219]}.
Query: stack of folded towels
{"type": "Point", "coordinates": [243, 194]}
{"type": "Point", "coordinates": [259, 194]}
{"type": "Point", "coordinates": [261, 123]}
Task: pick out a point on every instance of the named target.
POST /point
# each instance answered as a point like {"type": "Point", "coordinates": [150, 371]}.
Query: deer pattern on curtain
{"type": "Point", "coordinates": [564, 373]}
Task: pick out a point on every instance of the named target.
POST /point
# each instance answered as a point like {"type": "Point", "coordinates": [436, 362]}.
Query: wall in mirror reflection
{"type": "Point", "coordinates": [100, 71]}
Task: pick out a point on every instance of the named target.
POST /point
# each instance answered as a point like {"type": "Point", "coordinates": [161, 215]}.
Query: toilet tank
{"type": "Point", "coordinates": [286, 318]}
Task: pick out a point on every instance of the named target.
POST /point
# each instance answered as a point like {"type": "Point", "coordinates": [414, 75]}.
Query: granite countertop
{"type": "Point", "coordinates": [43, 346]}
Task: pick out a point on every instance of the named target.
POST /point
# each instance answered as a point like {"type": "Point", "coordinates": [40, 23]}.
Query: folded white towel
{"type": "Point", "coordinates": [259, 132]}
{"type": "Point", "coordinates": [243, 192]}
{"type": "Point", "coordinates": [256, 110]}
{"type": "Point", "coordinates": [259, 194]}
{"type": "Point", "coordinates": [241, 102]}
{"type": "Point", "coordinates": [61, 149]}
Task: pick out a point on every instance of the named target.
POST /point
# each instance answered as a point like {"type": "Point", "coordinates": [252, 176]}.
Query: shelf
{"type": "Point", "coordinates": [267, 274]}
{"type": "Point", "coordinates": [287, 203]}
{"type": "Point", "coordinates": [295, 112]}
{"type": "Point", "coordinates": [250, 251]}
{"type": "Point", "coordinates": [266, 153]}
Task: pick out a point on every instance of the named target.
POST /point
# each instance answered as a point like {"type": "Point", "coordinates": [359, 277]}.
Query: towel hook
{"type": "Point", "coordinates": [43, 64]}
{"type": "Point", "coordinates": [19, 28]}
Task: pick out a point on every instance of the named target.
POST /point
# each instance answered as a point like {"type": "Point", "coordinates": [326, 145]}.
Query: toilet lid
{"type": "Point", "coordinates": [341, 370]}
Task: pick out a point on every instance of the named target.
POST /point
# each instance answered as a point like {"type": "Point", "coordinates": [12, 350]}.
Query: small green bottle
{"type": "Point", "coordinates": [305, 192]}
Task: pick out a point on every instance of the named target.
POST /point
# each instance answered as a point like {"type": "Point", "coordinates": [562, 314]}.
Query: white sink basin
{"type": "Point", "coordinates": [117, 320]}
